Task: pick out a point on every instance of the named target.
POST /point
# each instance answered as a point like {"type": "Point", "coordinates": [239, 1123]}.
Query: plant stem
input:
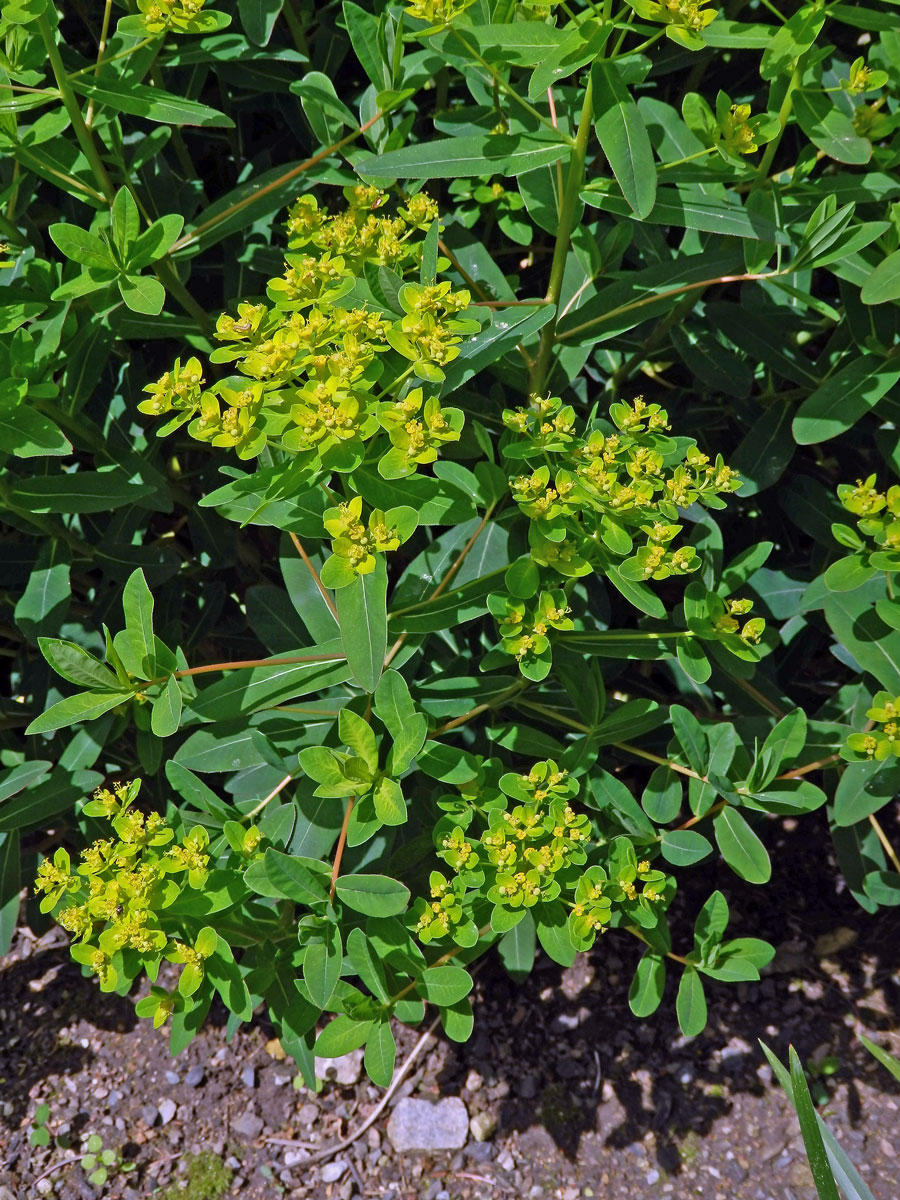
{"type": "Point", "coordinates": [82, 133]}
{"type": "Point", "coordinates": [787, 105]}
{"type": "Point", "coordinates": [656, 758]}
{"type": "Point", "coordinates": [101, 46]}
{"type": "Point", "coordinates": [883, 838]}
{"type": "Point", "coordinates": [165, 272]}
{"type": "Point", "coordinates": [298, 546]}
{"type": "Point", "coordinates": [271, 796]}
{"type": "Point", "coordinates": [342, 841]}
{"type": "Point", "coordinates": [574, 182]}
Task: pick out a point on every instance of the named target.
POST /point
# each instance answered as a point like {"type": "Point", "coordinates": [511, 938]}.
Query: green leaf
{"type": "Point", "coordinates": [691, 737]}
{"type": "Point", "coordinates": [390, 805]}
{"type": "Point", "coordinates": [646, 991]}
{"type": "Point", "coordinates": [453, 158]}
{"type": "Point", "coordinates": [395, 708]}
{"type": "Point", "coordinates": [357, 734]}
{"type": "Point", "coordinates": [517, 948]}
{"type": "Point", "coordinates": [79, 492]}
{"type": "Point", "coordinates": [847, 394]}
{"type": "Point", "coordinates": [381, 1049]}
{"type": "Point", "coordinates": [10, 885]}
{"type": "Point", "coordinates": [887, 1060]}
{"type": "Point", "coordinates": [362, 615]}
{"type": "Point", "coordinates": [690, 1003]}
{"type": "Point", "coordinates": [152, 103]}
{"type": "Point", "coordinates": [137, 604]}
{"type": "Point", "coordinates": [81, 246]}
{"type": "Point", "coordinates": [784, 742]}
{"type": "Point", "coordinates": [684, 847]}
{"type": "Point", "coordinates": [27, 433]}
{"type": "Point", "coordinates": [322, 964]}
{"type": "Point", "coordinates": [342, 1035]}
{"type": "Point", "coordinates": [445, 985]}
{"type": "Point", "coordinates": [165, 715]}
{"type": "Point", "coordinates": [291, 878]}
{"type": "Point", "coordinates": [883, 283]}
{"type": "Point", "coordinates": [77, 665]}
{"type": "Point", "coordinates": [623, 137]}
{"type": "Point", "coordinates": [243, 692]}
{"type": "Point", "coordinates": [861, 631]}
{"type": "Point", "coordinates": [863, 789]}
{"type": "Point", "coordinates": [373, 895]}
{"type": "Point", "coordinates": [142, 293]}
{"type": "Point", "coordinates": [41, 608]}
{"type": "Point", "coordinates": [740, 847]}
{"type": "Point", "coordinates": [86, 706]}
{"type": "Point", "coordinates": [830, 129]}
{"type": "Point", "coordinates": [809, 1128]}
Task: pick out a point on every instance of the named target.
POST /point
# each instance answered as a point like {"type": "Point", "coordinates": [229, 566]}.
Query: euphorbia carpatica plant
{"type": "Point", "coordinates": [427, 842]}
{"type": "Point", "coordinates": [509, 684]}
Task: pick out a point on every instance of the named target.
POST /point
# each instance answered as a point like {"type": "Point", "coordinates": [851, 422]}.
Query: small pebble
{"type": "Point", "coordinates": [173, 1077]}
{"type": "Point", "coordinates": [331, 1172]}
{"type": "Point", "coordinates": [113, 1098]}
{"type": "Point", "coordinates": [293, 1157]}
{"type": "Point", "coordinates": [167, 1109]}
{"type": "Point", "coordinates": [248, 1077]}
{"type": "Point", "coordinates": [652, 1177]}
{"type": "Point", "coordinates": [194, 1077]}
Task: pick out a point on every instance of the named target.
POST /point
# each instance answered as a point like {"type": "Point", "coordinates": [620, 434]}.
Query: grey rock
{"type": "Point", "coordinates": [331, 1172]}
{"type": "Point", "coordinates": [173, 1077]}
{"type": "Point", "coordinates": [113, 1098]}
{"type": "Point", "coordinates": [480, 1151]}
{"type": "Point", "coordinates": [506, 1160]}
{"type": "Point", "coordinates": [167, 1109]}
{"type": "Point", "coordinates": [247, 1125]}
{"type": "Point", "coordinates": [248, 1077]}
{"type": "Point", "coordinates": [148, 1114]}
{"type": "Point", "coordinates": [345, 1070]}
{"type": "Point", "coordinates": [419, 1125]}
{"type": "Point", "coordinates": [293, 1157]}
{"type": "Point", "coordinates": [527, 1087]}
{"type": "Point", "coordinates": [482, 1126]}
{"type": "Point", "coordinates": [195, 1077]}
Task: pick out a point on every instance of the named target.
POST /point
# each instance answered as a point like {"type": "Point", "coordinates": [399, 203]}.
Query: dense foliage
{"type": "Point", "coordinates": [530, 505]}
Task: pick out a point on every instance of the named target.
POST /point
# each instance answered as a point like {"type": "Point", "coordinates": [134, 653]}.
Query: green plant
{"type": "Point", "coordinates": [40, 1134]}
{"type": "Point", "coordinates": [205, 1178]}
{"type": "Point", "coordinates": [834, 1175]}
{"type": "Point", "coordinates": [98, 1163]}
{"type": "Point", "coordinates": [468, 497]}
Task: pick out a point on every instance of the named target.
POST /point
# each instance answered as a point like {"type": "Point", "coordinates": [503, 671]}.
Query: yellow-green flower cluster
{"type": "Point", "coordinates": [532, 851]}
{"type": "Point", "coordinates": [438, 13]}
{"type": "Point", "coordinates": [525, 629]}
{"type": "Point", "coordinates": [356, 543]}
{"type": "Point", "coordinates": [878, 523]}
{"type": "Point", "coordinates": [685, 20]}
{"type": "Point", "coordinates": [738, 134]}
{"type": "Point", "coordinates": [116, 898]}
{"type": "Point", "coordinates": [882, 741]}
{"type": "Point", "coordinates": [604, 492]}
{"type": "Point", "coordinates": [312, 362]}
{"type": "Point", "coordinates": [176, 16]}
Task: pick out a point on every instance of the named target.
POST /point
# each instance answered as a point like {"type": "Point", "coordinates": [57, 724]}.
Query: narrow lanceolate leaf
{"type": "Point", "coordinates": [381, 1054]}
{"type": "Point", "coordinates": [809, 1128]}
{"type": "Point", "coordinates": [845, 396]}
{"type": "Point", "coordinates": [137, 602]}
{"type": "Point", "coordinates": [646, 990]}
{"type": "Point", "coordinates": [623, 136]}
{"type": "Point", "coordinates": [480, 154]}
{"type": "Point", "coordinates": [86, 706]}
{"type": "Point", "coordinates": [362, 613]}
{"type": "Point", "coordinates": [140, 100]}
{"type": "Point", "coordinates": [165, 715]}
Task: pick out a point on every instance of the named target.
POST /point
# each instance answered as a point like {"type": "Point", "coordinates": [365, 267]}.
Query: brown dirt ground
{"type": "Point", "coordinates": [589, 1102]}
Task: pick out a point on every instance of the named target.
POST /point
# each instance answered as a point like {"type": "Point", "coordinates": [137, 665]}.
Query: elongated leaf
{"type": "Point", "coordinates": [322, 966]}
{"type": "Point", "coordinates": [452, 158]}
{"type": "Point", "coordinates": [883, 283]}
{"type": "Point", "coordinates": [374, 895]}
{"type": "Point", "coordinates": [812, 1136]}
{"type": "Point", "coordinates": [845, 396]}
{"type": "Point", "coordinates": [381, 1054]}
{"type": "Point", "coordinates": [623, 136]}
{"type": "Point", "coordinates": [646, 991]}
{"type": "Point", "coordinates": [444, 985]}
{"type": "Point", "coordinates": [362, 614]}
{"type": "Point", "coordinates": [741, 848]}
{"type": "Point", "coordinates": [862, 632]}
{"type": "Point", "coordinates": [86, 706]}
{"type": "Point", "coordinates": [152, 103]}
{"type": "Point", "coordinates": [690, 1003]}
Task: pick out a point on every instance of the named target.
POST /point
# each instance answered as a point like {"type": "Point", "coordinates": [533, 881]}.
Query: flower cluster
{"type": "Point", "coordinates": [356, 543]}
{"type": "Point", "coordinates": [312, 361]}
{"type": "Point", "coordinates": [534, 852]}
{"type": "Point", "coordinates": [878, 523]}
{"type": "Point", "coordinates": [117, 899]}
{"type": "Point", "coordinates": [171, 16]}
{"type": "Point", "coordinates": [685, 20]}
{"type": "Point", "coordinates": [879, 743]}
{"type": "Point", "coordinates": [525, 628]}
{"type": "Point", "coordinates": [438, 13]}
{"type": "Point", "coordinates": [604, 491]}
{"type": "Point", "coordinates": [738, 133]}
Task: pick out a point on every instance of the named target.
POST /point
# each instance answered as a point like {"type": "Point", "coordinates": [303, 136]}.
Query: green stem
{"type": "Point", "coordinates": [82, 133]}
{"type": "Point", "coordinates": [784, 113]}
{"type": "Point", "coordinates": [165, 272]}
{"type": "Point", "coordinates": [574, 181]}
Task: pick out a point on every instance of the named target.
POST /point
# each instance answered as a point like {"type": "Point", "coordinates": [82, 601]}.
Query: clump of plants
{"type": "Point", "coordinates": [453, 586]}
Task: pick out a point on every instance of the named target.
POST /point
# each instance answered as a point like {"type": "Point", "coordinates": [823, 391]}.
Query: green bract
{"type": "Point", "coordinates": [470, 578]}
